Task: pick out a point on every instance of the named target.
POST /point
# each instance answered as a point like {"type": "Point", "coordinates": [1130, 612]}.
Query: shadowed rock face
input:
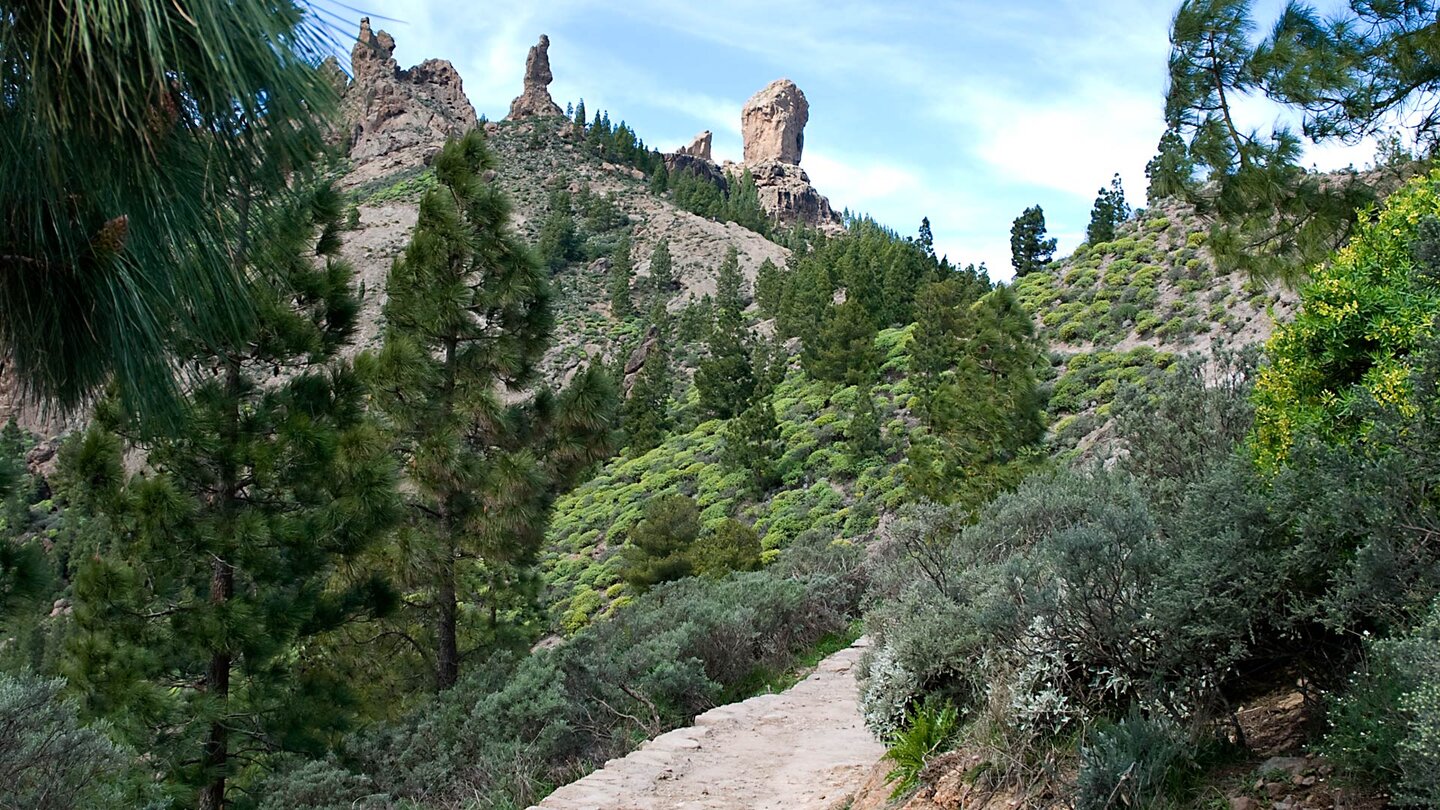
{"type": "Point", "coordinates": [773, 123]}
{"type": "Point", "coordinates": [399, 115]}
{"type": "Point", "coordinates": [534, 100]}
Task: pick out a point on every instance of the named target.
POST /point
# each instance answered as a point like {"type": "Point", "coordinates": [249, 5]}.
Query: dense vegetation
{"type": "Point", "coordinates": [464, 566]}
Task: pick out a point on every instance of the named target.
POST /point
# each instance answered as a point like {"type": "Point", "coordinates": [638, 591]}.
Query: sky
{"type": "Point", "coordinates": [963, 111]}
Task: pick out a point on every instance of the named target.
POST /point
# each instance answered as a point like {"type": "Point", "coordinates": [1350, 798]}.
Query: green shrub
{"type": "Point", "coordinates": [1137, 762]}
{"type": "Point", "coordinates": [1385, 728]}
{"type": "Point", "coordinates": [51, 761]}
{"type": "Point", "coordinates": [926, 732]}
{"type": "Point", "coordinates": [1362, 318]}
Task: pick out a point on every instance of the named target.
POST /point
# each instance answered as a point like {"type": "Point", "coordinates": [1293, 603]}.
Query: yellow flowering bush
{"type": "Point", "coordinates": [1362, 317]}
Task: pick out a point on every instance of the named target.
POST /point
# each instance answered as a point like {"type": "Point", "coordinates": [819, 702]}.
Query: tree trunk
{"type": "Point", "coordinates": [447, 654]}
{"type": "Point", "coordinates": [216, 754]}
{"type": "Point", "coordinates": [217, 680]}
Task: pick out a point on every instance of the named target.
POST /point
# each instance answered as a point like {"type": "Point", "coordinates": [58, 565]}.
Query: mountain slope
{"type": "Point", "coordinates": [1119, 312]}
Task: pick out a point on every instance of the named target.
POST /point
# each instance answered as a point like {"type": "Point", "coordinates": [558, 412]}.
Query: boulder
{"type": "Point", "coordinates": [773, 124]}
{"type": "Point", "coordinates": [534, 100]}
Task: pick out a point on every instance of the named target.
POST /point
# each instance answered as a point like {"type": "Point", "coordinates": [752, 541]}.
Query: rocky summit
{"type": "Point", "coordinates": [773, 123]}
{"type": "Point", "coordinates": [396, 118]}
{"type": "Point", "coordinates": [534, 100]}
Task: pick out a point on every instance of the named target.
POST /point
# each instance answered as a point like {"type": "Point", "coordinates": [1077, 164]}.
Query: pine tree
{"type": "Point", "coordinates": [926, 239]}
{"type": "Point", "coordinates": [751, 442]}
{"type": "Point", "coordinates": [1029, 249]}
{"type": "Point", "coordinates": [468, 319]}
{"type": "Point", "coordinates": [742, 204]}
{"type": "Point", "coordinates": [730, 284]}
{"type": "Point", "coordinates": [218, 567]}
{"type": "Point", "coordinates": [985, 414]}
{"type": "Point", "coordinates": [1171, 170]}
{"type": "Point", "coordinates": [646, 415]}
{"type": "Point", "coordinates": [906, 268]}
{"type": "Point", "coordinates": [862, 434]}
{"type": "Point", "coordinates": [141, 139]}
{"type": "Point", "coordinates": [769, 289]}
{"type": "Point", "coordinates": [725, 379]}
{"type": "Point", "coordinates": [942, 320]}
{"type": "Point", "coordinates": [659, 547]}
{"type": "Point", "coordinates": [660, 179]}
{"type": "Point", "coordinates": [662, 271]}
{"type": "Point", "coordinates": [559, 242]}
{"type": "Point", "coordinates": [1347, 76]}
{"type": "Point", "coordinates": [622, 271]}
{"type": "Point", "coordinates": [1109, 212]}
{"type": "Point", "coordinates": [843, 350]}
{"type": "Point", "coordinates": [807, 295]}
{"type": "Point", "coordinates": [580, 117]}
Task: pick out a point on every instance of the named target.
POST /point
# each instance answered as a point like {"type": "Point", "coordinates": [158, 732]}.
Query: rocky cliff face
{"type": "Point", "coordinates": [773, 124]}
{"type": "Point", "coordinates": [534, 100]}
{"type": "Point", "coordinates": [785, 191]}
{"type": "Point", "coordinates": [397, 118]}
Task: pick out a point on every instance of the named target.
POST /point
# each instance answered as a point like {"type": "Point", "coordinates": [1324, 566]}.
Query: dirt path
{"type": "Point", "coordinates": [803, 749]}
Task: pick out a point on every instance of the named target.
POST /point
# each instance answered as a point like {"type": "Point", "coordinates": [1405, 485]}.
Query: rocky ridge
{"type": "Point", "coordinates": [535, 154]}
{"type": "Point", "coordinates": [699, 146]}
{"type": "Point", "coordinates": [772, 124]}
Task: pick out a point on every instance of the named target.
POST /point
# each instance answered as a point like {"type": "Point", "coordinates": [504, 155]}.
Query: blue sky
{"type": "Point", "coordinates": [960, 110]}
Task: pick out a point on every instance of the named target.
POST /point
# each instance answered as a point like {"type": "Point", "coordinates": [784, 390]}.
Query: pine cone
{"type": "Point", "coordinates": [111, 238]}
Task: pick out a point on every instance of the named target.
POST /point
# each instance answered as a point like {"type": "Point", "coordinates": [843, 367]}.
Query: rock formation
{"type": "Point", "coordinates": [785, 192]}
{"type": "Point", "coordinates": [773, 123]}
{"type": "Point", "coordinates": [534, 100]}
{"type": "Point", "coordinates": [699, 147]}
{"type": "Point", "coordinates": [395, 118]}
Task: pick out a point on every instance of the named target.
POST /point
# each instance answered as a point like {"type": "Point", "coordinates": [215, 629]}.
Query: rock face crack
{"type": "Point", "coordinates": [804, 748]}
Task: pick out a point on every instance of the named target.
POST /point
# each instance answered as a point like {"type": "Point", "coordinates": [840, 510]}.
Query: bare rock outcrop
{"type": "Point", "coordinates": [785, 192]}
{"type": "Point", "coordinates": [773, 123]}
{"type": "Point", "coordinates": [395, 118]}
{"type": "Point", "coordinates": [699, 147]}
{"type": "Point", "coordinates": [534, 100]}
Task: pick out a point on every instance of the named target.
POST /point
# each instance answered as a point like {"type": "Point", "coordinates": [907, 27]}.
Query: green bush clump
{"type": "Point", "coordinates": [52, 761]}
{"type": "Point", "coordinates": [1385, 727]}
{"type": "Point", "coordinates": [1137, 762]}
{"type": "Point", "coordinates": [1362, 318]}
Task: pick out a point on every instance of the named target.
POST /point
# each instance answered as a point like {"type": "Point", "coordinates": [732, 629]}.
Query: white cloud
{"type": "Point", "coordinates": [1073, 146]}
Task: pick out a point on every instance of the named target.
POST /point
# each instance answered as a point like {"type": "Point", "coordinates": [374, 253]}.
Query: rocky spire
{"type": "Point", "coordinates": [395, 117]}
{"type": "Point", "coordinates": [534, 100]}
{"type": "Point", "coordinates": [773, 123]}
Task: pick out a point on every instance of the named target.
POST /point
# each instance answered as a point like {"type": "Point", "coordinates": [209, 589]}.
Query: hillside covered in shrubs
{"type": "Point", "coordinates": [415, 460]}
